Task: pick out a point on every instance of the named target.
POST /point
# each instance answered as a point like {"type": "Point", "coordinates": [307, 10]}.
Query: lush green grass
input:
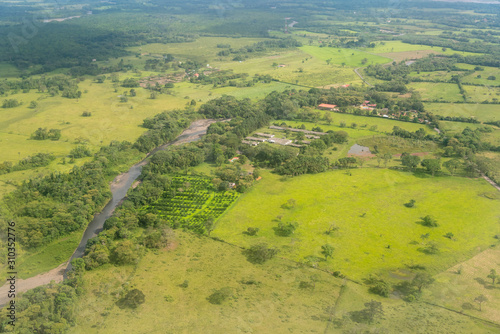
{"type": "Point", "coordinates": [431, 91]}
{"type": "Point", "coordinates": [482, 93]}
{"type": "Point", "coordinates": [487, 72]}
{"type": "Point", "coordinates": [36, 262]}
{"type": "Point", "coordinates": [348, 57]}
{"type": "Point", "coordinates": [382, 125]}
{"type": "Point", "coordinates": [361, 242]}
{"type": "Point", "coordinates": [7, 71]}
{"type": "Point", "coordinates": [481, 112]}
{"type": "Point", "coordinates": [399, 46]}
{"type": "Point", "coordinates": [275, 304]}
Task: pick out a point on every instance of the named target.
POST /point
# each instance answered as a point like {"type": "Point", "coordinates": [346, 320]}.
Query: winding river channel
{"type": "Point", "coordinates": [122, 183]}
{"type": "Point", "coordinates": [119, 187]}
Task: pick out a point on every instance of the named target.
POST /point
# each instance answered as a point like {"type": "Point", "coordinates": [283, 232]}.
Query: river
{"type": "Point", "coordinates": [119, 187]}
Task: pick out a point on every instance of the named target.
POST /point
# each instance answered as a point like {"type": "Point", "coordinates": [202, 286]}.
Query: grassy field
{"type": "Point", "coordinates": [431, 91]}
{"type": "Point", "coordinates": [481, 112]}
{"type": "Point", "coordinates": [452, 290]}
{"type": "Point", "coordinates": [483, 80]}
{"type": "Point", "coordinates": [32, 263]}
{"type": "Point", "coordinates": [367, 206]}
{"type": "Point", "coordinates": [275, 302]}
{"type": "Point", "coordinates": [348, 57]}
{"type": "Point", "coordinates": [363, 125]}
{"type": "Point", "coordinates": [482, 93]}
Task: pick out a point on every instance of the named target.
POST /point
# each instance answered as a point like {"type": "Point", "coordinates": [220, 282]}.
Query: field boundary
{"type": "Point", "coordinates": [465, 314]}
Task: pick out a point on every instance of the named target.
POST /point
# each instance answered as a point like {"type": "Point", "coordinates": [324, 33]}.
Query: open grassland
{"type": "Point", "coordinates": [443, 76]}
{"type": "Point", "coordinates": [296, 65]}
{"type": "Point", "coordinates": [481, 112]}
{"type": "Point", "coordinates": [340, 56]}
{"type": "Point", "coordinates": [482, 93]}
{"type": "Point", "coordinates": [377, 233]}
{"type": "Point", "coordinates": [32, 263]}
{"type": "Point", "coordinates": [273, 303]}
{"type": "Point", "coordinates": [457, 127]}
{"type": "Point", "coordinates": [363, 125]}
{"type": "Point", "coordinates": [398, 46]}
{"type": "Point", "coordinates": [8, 71]}
{"type": "Point", "coordinates": [431, 91]}
{"type": "Point", "coordinates": [204, 48]}
{"type": "Point", "coordinates": [467, 280]}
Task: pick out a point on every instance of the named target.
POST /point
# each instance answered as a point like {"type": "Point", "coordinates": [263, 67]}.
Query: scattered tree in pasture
{"type": "Point", "coordinates": [252, 231]}
{"type": "Point", "coordinates": [428, 221]}
{"type": "Point", "coordinates": [410, 204]}
{"type": "Point", "coordinates": [286, 230]}
{"type": "Point", "coordinates": [387, 157]}
{"type": "Point", "coordinates": [327, 251]}
{"type": "Point", "coordinates": [132, 299]}
{"type": "Point", "coordinates": [431, 165]}
{"type": "Point", "coordinates": [209, 225]}
{"type": "Point", "coordinates": [410, 161]}
{"type": "Point", "coordinates": [219, 296]}
{"type": "Point", "coordinates": [480, 300]}
{"type": "Point", "coordinates": [260, 253]}
{"type": "Point", "coordinates": [422, 280]}
{"type": "Point", "coordinates": [493, 275]}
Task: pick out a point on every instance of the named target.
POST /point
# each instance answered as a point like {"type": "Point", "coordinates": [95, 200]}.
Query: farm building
{"type": "Point", "coordinates": [325, 106]}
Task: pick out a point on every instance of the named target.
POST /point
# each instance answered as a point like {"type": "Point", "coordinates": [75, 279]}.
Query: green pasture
{"type": "Point", "coordinates": [377, 233]}
{"type": "Point", "coordinates": [443, 76]}
{"type": "Point", "coordinates": [8, 71]}
{"type": "Point", "coordinates": [481, 112]}
{"type": "Point", "coordinates": [298, 68]}
{"type": "Point", "coordinates": [204, 48]}
{"type": "Point", "coordinates": [363, 124]}
{"type": "Point", "coordinates": [431, 91]}
{"type": "Point", "coordinates": [274, 303]}
{"type": "Point", "coordinates": [40, 261]}
{"type": "Point", "coordinates": [483, 80]}
{"type": "Point", "coordinates": [348, 57]}
{"type": "Point", "coordinates": [457, 127]}
{"type": "Point", "coordinates": [467, 280]}
{"type": "Point", "coordinates": [482, 93]}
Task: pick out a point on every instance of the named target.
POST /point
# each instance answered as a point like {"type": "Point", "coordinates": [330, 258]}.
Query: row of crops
{"type": "Point", "coordinates": [192, 202]}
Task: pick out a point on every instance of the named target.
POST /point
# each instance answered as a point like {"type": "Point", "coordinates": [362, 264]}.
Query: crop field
{"type": "Point", "coordinates": [376, 232]}
{"type": "Point", "coordinates": [481, 112]}
{"type": "Point", "coordinates": [467, 280]}
{"type": "Point", "coordinates": [482, 93]}
{"type": "Point", "coordinates": [431, 91]}
{"type": "Point", "coordinates": [193, 203]}
{"type": "Point", "coordinates": [397, 145]}
{"type": "Point", "coordinates": [263, 296]}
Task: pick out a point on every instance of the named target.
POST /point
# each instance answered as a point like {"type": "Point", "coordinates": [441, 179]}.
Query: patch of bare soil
{"type": "Point", "coordinates": [23, 285]}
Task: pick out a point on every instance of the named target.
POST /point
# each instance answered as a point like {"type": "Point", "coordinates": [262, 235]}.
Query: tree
{"type": "Point", "coordinates": [260, 253]}
{"type": "Point", "coordinates": [428, 221]}
{"type": "Point", "coordinates": [132, 299]}
{"type": "Point", "coordinates": [452, 165]}
{"type": "Point", "coordinates": [387, 157]}
{"type": "Point", "coordinates": [219, 296]}
{"type": "Point", "coordinates": [421, 280]}
{"type": "Point", "coordinates": [327, 251]}
{"type": "Point", "coordinates": [410, 161]}
{"type": "Point", "coordinates": [33, 104]}
{"type": "Point", "coordinates": [493, 275]}
{"type": "Point", "coordinates": [209, 225]}
{"type": "Point", "coordinates": [480, 300]}
{"type": "Point", "coordinates": [432, 165]}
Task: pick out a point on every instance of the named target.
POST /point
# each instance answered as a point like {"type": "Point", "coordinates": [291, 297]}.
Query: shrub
{"type": "Point", "coordinates": [219, 296]}
{"type": "Point", "coordinates": [260, 253]}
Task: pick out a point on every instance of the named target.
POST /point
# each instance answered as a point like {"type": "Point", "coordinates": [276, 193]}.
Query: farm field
{"type": "Point", "coordinates": [431, 91]}
{"type": "Point", "coordinates": [367, 206]}
{"type": "Point", "coordinates": [482, 93]}
{"type": "Point", "coordinates": [481, 112]}
{"type": "Point", "coordinates": [382, 125]}
{"type": "Point", "coordinates": [297, 65]}
{"type": "Point", "coordinates": [270, 298]}
{"type": "Point", "coordinates": [467, 280]}
{"type": "Point", "coordinates": [194, 202]}
{"type": "Point", "coordinates": [348, 57]}
{"type": "Point", "coordinates": [274, 303]}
